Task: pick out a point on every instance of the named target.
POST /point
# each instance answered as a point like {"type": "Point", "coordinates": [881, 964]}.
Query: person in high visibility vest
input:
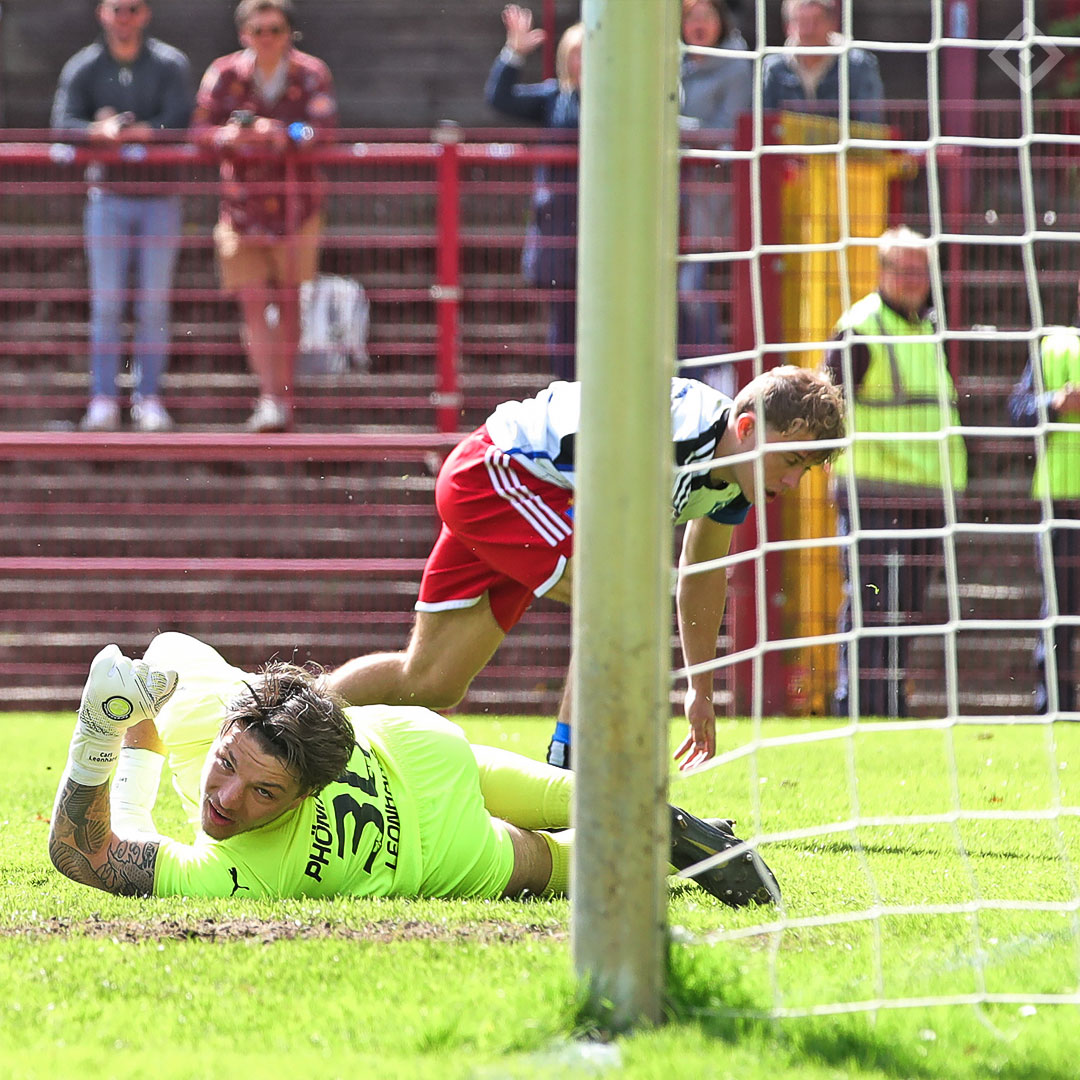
{"type": "Point", "coordinates": [1052, 395]}
{"type": "Point", "coordinates": [896, 381]}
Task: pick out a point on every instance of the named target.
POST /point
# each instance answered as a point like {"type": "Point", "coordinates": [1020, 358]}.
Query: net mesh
{"type": "Point", "coordinates": [926, 839]}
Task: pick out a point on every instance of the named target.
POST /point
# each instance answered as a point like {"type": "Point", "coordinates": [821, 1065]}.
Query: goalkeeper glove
{"type": "Point", "coordinates": [119, 693]}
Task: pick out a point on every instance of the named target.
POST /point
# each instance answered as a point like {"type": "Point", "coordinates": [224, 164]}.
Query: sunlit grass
{"type": "Point", "coordinates": [105, 986]}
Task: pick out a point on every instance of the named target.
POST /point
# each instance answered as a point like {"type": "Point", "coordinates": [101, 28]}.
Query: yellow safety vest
{"type": "Point", "coordinates": [1061, 464]}
{"type": "Point", "coordinates": [906, 388]}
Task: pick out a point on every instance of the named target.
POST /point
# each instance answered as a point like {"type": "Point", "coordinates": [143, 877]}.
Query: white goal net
{"type": "Point", "coordinates": [910, 773]}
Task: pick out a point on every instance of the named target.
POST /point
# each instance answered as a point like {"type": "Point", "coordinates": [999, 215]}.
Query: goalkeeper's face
{"type": "Point", "coordinates": [244, 786]}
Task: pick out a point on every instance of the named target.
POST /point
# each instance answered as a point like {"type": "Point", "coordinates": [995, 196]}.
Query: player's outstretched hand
{"type": "Point", "coordinates": [121, 692]}
{"type": "Point", "coordinates": [700, 742]}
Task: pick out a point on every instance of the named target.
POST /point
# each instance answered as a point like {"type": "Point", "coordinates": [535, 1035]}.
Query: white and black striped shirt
{"type": "Point", "coordinates": [540, 433]}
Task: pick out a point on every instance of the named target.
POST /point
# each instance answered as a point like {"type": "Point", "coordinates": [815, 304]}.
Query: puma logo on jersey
{"type": "Point", "coordinates": [236, 886]}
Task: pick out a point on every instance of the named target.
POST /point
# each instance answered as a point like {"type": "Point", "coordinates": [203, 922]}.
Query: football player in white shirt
{"type": "Point", "coordinates": [505, 496]}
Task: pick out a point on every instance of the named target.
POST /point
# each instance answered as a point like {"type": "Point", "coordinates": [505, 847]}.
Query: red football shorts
{"type": "Point", "coordinates": [505, 532]}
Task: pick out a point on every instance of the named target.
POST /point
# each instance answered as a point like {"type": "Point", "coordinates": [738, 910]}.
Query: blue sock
{"type": "Point", "coordinates": [558, 753]}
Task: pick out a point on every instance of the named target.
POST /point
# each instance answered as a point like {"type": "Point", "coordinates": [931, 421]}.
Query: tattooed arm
{"type": "Point", "coordinates": [83, 847]}
{"type": "Point", "coordinates": [119, 694]}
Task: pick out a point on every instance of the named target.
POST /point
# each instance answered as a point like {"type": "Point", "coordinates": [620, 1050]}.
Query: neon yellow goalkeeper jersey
{"type": "Point", "coordinates": [345, 840]}
{"type": "Point", "coordinates": [407, 818]}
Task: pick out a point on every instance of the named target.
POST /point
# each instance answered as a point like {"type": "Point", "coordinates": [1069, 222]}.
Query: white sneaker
{"type": "Point", "coordinates": [270, 415]}
{"type": "Point", "coordinates": [102, 414]}
{"type": "Point", "coordinates": [148, 414]}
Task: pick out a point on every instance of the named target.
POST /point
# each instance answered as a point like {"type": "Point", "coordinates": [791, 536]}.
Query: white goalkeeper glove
{"type": "Point", "coordinates": [119, 693]}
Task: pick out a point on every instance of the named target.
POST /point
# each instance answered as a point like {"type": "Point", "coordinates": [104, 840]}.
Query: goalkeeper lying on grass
{"type": "Point", "coordinates": [293, 795]}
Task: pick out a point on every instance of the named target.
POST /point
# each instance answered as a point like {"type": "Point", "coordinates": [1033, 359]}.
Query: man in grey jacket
{"type": "Point", "coordinates": [799, 82]}
{"type": "Point", "coordinates": [119, 91]}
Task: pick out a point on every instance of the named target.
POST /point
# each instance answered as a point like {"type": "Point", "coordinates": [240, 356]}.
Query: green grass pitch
{"type": "Point", "coordinates": [106, 987]}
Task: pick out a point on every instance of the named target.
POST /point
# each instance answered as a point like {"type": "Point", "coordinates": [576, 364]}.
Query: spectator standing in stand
{"type": "Point", "coordinates": [1057, 476]}
{"type": "Point", "coordinates": [120, 92]}
{"type": "Point", "coordinates": [800, 82]}
{"type": "Point", "coordinates": [549, 260]}
{"type": "Point", "coordinates": [714, 91]}
{"type": "Point", "coordinates": [895, 387]}
{"type": "Point", "coordinates": [261, 109]}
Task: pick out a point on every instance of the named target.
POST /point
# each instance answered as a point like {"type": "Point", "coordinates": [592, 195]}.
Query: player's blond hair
{"type": "Point", "coordinates": [797, 401]}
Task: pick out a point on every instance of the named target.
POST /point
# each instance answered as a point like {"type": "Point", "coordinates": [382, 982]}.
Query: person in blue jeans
{"type": "Point", "coordinates": [118, 92]}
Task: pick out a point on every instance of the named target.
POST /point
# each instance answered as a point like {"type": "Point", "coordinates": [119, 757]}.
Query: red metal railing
{"type": "Point", "coordinates": [432, 224]}
{"type": "Point", "coordinates": [432, 229]}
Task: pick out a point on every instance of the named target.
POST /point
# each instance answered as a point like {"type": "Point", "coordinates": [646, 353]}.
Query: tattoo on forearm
{"type": "Point", "coordinates": [70, 862]}
{"type": "Point", "coordinates": [83, 848]}
{"type": "Point", "coordinates": [129, 869]}
{"type": "Point", "coordinates": [86, 810]}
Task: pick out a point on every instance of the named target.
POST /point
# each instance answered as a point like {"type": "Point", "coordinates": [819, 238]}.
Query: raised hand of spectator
{"type": "Point", "coordinates": [520, 36]}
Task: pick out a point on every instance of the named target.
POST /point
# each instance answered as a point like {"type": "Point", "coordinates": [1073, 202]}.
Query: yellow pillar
{"type": "Point", "coordinates": [813, 302]}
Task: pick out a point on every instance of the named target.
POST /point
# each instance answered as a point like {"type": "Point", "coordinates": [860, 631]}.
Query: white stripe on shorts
{"type": "Point", "coordinates": [551, 526]}
{"type": "Point", "coordinates": [445, 605]}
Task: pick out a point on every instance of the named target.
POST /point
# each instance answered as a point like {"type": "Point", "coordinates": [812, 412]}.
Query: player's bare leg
{"type": "Point", "coordinates": [532, 862]}
{"type": "Point", "coordinates": [559, 748]}
{"type": "Point", "coordinates": [563, 589]}
{"type": "Point", "coordinates": [445, 652]}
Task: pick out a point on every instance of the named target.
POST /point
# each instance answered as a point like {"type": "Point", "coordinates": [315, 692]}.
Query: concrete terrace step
{"type": "Point", "coordinates": [34, 397]}
{"type": "Point", "coordinates": [352, 381]}
{"type": "Point", "coordinates": [261, 538]}
{"type": "Point", "coordinates": [301, 546]}
{"type": "Point", "coordinates": [44, 667]}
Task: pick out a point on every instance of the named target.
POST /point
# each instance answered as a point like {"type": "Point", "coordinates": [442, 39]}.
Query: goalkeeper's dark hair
{"type": "Point", "coordinates": [795, 401]}
{"type": "Point", "coordinates": [297, 719]}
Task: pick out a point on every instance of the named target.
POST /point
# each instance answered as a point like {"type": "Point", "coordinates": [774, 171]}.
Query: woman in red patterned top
{"type": "Point", "coordinates": [259, 109]}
